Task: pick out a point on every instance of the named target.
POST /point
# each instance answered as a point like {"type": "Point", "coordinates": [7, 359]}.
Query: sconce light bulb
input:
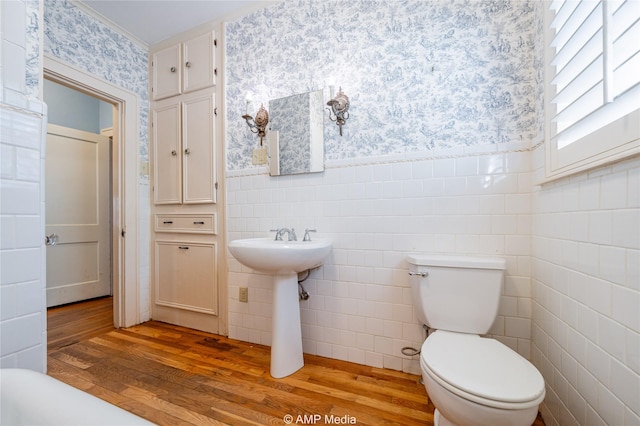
{"type": "Point", "coordinates": [248, 98]}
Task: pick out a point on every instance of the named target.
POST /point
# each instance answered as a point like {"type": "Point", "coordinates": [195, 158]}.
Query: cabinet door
{"type": "Point", "coordinates": [186, 276]}
{"type": "Point", "coordinates": [198, 144]}
{"type": "Point", "coordinates": [167, 153]}
{"type": "Point", "coordinates": [199, 63]}
{"type": "Point", "coordinates": [167, 72]}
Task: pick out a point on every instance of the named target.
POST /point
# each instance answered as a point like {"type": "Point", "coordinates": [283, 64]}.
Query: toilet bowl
{"type": "Point", "coordinates": [471, 380]}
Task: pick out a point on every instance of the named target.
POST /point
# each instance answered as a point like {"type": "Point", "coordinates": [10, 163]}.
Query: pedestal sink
{"type": "Point", "coordinates": [283, 259]}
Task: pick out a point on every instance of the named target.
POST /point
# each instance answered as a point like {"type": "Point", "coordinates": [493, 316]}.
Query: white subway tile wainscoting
{"type": "Point", "coordinates": [586, 295]}
{"type": "Point", "coordinates": [23, 336]}
{"type": "Point", "coordinates": [360, 307]}
{"type": "Point", "coordinates": [23, 120]}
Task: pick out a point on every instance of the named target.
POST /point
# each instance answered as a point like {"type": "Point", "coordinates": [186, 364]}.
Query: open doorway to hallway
{"type": "Point", "coordinates": [124, 183]}
{"type": "Point", "coordinates": [78, 195]}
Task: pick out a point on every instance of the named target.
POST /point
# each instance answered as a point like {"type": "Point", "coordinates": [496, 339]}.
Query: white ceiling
{"type": "Point", "coordinates": [151, 21]}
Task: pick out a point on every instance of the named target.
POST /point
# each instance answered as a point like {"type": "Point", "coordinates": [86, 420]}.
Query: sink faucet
{"type": "Point", "coordinates": [291, 234]}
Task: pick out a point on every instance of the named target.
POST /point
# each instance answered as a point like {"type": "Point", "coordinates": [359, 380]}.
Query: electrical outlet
{"type": "Point", "coordinates": [243, 294]}
{"type": "Point", "coordinates": [259, 155]}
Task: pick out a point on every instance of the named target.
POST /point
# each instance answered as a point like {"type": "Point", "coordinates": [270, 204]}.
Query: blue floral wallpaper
{"type": "Point", "coordinates": [420, 74]}
{"type": "Point", "coordinates": [33, 42]}
{"type": "Point", "coordinates": [79, 39]}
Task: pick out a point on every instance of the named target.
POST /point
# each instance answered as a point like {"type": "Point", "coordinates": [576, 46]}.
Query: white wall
{"type": "Point", "coordinates": [452, 80]}
{"type": "Point", "coordinates": [586, 271]}
{"type": "Point", "coordinates": [70, 108]}
{"type": "Point", "coordinates": [360, 307]}
{"type": "Point", "coordinates": [23, 340]}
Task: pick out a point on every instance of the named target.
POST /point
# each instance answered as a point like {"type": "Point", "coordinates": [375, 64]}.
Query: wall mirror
{"type": "Point", "coordinates": [296, 135]}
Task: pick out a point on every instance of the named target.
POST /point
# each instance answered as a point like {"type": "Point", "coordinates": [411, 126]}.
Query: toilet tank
{"type": "Point", "coordinates": [456, 293]}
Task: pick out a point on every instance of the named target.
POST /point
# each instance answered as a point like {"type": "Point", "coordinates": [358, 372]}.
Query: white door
{"type": "Point", "coordinates": [78, 210]}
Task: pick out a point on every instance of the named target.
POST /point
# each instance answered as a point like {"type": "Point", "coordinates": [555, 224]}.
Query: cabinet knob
{"type": "Point", "coordinates": [173, 69]}
{"type": "Point", "coordinates": [187, 151]}
{"type": "Point", "coordinates": [188, 64]}
{"type": "Point", "coordinates": [174, 153]}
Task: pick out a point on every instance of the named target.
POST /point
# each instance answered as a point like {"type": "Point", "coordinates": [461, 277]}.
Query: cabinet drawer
{"type": "Point", "coordinates": [187, 223]}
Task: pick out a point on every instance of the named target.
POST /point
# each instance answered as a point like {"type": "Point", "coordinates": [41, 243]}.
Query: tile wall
{"type": "Point", "coordinates": [22, 251]}
{"type": "Point", "coordinates": [586, 307]}
{"type": "Point", "coordinates": [377, 212]}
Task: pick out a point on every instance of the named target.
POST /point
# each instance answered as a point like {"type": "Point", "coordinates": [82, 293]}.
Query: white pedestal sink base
{"type": "Point", "coordinates": [283, 259]}
{"type": "Point", "coordinates": [286, 331]}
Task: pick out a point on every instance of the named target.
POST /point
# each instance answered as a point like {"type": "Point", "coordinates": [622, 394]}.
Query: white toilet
{"type": "Point", "coordinates": [471, 380]}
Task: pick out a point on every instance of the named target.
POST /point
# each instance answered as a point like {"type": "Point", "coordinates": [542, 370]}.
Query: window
{"type": "Point", "coordinates": [593, 83]}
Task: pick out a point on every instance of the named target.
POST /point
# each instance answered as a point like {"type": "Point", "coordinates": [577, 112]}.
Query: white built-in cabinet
{"type": "Point", "coordinates": [184, 67]}
{"type": "Point", "coordinates": [185, 276]}
{"type": "Point", "coordinates": [184, 149]}
{"type": "Point", "coordinates": [184, 156]}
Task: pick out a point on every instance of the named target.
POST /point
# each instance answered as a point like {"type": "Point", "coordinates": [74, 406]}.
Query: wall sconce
{"type": "Point", "coordinates": [259, 125]}
{"type": "Point", "coordinates": [339, 111]}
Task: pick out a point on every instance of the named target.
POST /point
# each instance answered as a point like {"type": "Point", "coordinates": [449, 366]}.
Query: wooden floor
{"type": "Point", "coordinates": [73, 323]}
{"type": "Point", "coordinates": [172, 375]}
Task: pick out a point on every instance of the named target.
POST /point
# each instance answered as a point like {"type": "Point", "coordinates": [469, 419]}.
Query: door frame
{"type": "Point", "coordinates": [124, 190]}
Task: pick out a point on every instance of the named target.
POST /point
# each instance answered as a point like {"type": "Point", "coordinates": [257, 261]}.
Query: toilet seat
{"type": "Point", "coordinates": [482, 370]}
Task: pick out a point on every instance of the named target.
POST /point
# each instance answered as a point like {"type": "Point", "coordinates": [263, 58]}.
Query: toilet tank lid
{"type": "Point", "coordinates": [457, 261]}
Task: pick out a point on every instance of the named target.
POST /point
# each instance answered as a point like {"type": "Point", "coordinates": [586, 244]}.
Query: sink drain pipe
{"type": "Point", "coordinates": [302, 293]}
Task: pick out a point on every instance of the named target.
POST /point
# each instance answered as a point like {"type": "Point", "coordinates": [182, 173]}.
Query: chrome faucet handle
{"type": "Point", "coordinates": [307, 237]}
{"type": "Point", "coordinates": [291, 234]}
{"type": "Point", "coordinates": [278, 234]}
{"type": "Point", "coordinates": [281, 232]}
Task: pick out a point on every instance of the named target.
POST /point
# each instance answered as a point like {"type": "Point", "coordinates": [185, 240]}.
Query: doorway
{"type": "Point", "coordinates": [124, 184]}
{"type": "Point", "coordinates": [78, 196]}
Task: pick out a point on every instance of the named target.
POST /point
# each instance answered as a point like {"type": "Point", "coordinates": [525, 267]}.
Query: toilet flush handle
{"type": "Point", "coordinates": [421, 274]}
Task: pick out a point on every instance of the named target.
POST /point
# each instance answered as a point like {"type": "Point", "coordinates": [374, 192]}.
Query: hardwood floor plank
{"type": "Point", "coordinates": [338, 396]}
{"type": "Point", "coordinates": [362, 383]}
{"type": "Point", "coordinates": [68, 324]}
{"type": "Point", "coordinates": [153, 373]}
{"type": "Point", "coordinates": [173, 375]}
{"type": "Point", "coordinates": [151, 399]}
{"type": "Point", "coordinates": [86, 382]}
